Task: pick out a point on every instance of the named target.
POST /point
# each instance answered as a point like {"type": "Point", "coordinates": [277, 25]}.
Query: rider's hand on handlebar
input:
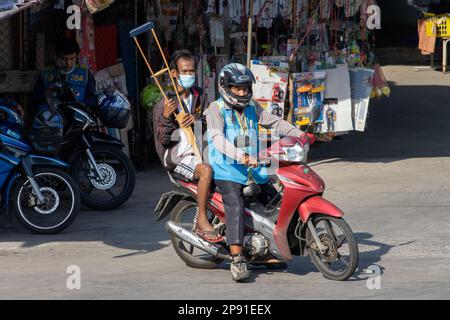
{"type": "Point", "coordinates": [311, 138]}
{"type": "Point", "coordinates": [249, 161]}
{"type": "Point", "coordinates": [169, 108]}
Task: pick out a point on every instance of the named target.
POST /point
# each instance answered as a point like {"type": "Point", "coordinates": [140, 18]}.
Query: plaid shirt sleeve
{"type": "Point", "coordinates": [215, 123]}
{"type": "Point", "coordinates": [270, 121]}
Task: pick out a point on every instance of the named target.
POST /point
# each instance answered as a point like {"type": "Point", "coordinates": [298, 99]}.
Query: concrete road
{"type": "Point", "coordinates": [392, 181]}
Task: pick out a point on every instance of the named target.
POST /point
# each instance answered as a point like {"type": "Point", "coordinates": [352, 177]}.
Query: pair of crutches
{"type": "Point", "coordinates": [150, 26]}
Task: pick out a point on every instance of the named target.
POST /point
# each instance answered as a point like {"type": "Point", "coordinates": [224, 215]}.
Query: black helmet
{"type": "Point", "coordinates": [235, 74]}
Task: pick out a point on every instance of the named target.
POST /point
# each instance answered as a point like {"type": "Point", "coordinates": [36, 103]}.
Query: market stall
{"type": "Point", "coordinates": [313, 60]}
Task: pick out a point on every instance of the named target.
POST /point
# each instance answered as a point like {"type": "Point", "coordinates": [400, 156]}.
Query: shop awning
{"type": "Point", "coordinates": [19, 7]}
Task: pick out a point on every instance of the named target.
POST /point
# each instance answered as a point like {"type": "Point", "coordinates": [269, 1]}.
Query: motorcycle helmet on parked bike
{"type": "Point", "coordinates": [9, 118]}
{"type": "Point", "coordinates": [114, 109]}
{"type": "Point", "coordinates": [46, 134]}
{"type": "Point", "coordinates": [235, 74]}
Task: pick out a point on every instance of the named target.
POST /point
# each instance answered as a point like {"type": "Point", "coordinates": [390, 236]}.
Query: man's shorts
{"type": "Point", "coordinates": [187, 167]}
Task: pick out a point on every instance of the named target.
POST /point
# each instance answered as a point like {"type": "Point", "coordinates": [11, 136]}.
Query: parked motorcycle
{"type": "Point", "coordinates": [45, 199]}
{"type": "Point", "coordinates": [104, 174]}
{"type": "Point", "coordinates": [297, 221]}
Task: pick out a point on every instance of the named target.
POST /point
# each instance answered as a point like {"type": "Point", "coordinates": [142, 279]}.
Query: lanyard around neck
{"type": "Point", "coordinates": [243, 129]}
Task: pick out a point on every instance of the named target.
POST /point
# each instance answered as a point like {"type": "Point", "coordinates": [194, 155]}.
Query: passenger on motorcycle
{"type": "Point", "coordinates": [67, 70]}
{"type": "Point", "coordinates": [176, 153]}
{"type": "Point", "coordinates": [233, 115]}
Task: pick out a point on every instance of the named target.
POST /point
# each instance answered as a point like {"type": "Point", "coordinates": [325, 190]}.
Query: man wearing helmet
{"type": "Point", "coordinates": [173, 147]}
{"type": "Point", "coordinates": [232, 116]}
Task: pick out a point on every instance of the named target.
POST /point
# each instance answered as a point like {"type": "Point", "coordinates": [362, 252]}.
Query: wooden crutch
{"type": "Point", "coordinates": [150, 26]}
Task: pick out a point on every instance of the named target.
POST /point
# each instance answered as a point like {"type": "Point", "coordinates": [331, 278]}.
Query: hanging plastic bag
{"type": "Point", "coordinates": [380, 84]}
{"type": "Point", "coordinates": [95, 6]}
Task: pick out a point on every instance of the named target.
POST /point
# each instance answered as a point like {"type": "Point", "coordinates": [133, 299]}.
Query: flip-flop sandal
{"type": "Point", "coordinates": [210, 236]}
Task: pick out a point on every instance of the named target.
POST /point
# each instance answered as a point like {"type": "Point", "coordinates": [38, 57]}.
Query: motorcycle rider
{"type": "Point", "coordinates": [233, 115]}
{"type": "Point", "coordinates": [178, 154]}
{"type": "Point", "coordinates": [68, 70]}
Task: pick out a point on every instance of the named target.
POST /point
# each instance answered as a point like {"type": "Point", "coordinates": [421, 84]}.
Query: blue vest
{"type": "Point", "coordinates": [77, 79]}
{"type": "Point", "coordinates": [226, 168]}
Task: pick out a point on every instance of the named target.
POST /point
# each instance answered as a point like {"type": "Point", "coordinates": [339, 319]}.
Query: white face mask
{"type": "Point", "coordinates": [186, 81]}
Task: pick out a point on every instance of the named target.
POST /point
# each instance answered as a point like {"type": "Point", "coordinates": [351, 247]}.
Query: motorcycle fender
{"type": "Point", "coordinates": [95, 137]}
{"type": "Point", "coordinates": [317, 204]}
{"type": "Point", "coordinates": [166, 204]}
{"type": "Point", "coordinates": [31, 161]}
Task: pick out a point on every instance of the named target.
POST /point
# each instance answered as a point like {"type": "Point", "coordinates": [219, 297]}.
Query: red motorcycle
{"type": "Point", "coordinates": [297, 221]}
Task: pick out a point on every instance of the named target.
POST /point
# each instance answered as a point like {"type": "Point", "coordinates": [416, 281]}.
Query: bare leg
{"type": "Point", "coordinates": [203, 173]}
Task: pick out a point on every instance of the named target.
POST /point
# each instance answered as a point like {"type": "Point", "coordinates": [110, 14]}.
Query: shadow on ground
{"type": "Point", "coordinates": [412, 123]}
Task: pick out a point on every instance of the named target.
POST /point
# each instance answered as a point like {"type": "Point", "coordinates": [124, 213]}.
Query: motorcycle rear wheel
{"type": "Point", "coordinates": [334, 257]}
{"type": "Point", "coordinates": [183, 214]}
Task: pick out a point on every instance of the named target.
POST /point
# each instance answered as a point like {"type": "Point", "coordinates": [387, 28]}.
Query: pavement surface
{"type": "Point", "coordinates": [392, 181]}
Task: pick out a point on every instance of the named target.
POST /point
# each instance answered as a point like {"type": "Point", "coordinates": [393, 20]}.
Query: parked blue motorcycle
{"type": "Point", "coordinates": [44, 198]}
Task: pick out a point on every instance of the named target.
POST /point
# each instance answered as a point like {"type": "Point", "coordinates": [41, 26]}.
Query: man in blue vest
{"type": "Point", "coordinates": [69, 71]}
{"type": "Point", "coordinates": [232, 116]}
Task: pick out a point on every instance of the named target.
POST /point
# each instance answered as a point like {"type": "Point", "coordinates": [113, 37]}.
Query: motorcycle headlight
{"type": "Point", "coordinates": [296, 153]}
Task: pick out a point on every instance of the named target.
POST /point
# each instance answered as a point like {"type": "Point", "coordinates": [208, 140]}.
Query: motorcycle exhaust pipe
{"type": "Point", "coordinates": [196, 241]}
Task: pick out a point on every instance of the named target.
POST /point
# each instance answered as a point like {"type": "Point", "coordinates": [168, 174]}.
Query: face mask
{"type": "Point", "coordinates": [186, 81]}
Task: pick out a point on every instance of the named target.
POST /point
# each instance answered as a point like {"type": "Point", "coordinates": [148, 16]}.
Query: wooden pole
{"type": "Point", "coordinates": [250, 32]}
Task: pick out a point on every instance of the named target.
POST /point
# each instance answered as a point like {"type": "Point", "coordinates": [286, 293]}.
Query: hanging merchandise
{"type": "Point", "coordinates": [95, 6]}
{"type": "Point", "coordinates": [216, 32]}
{"type": "Point", "coordinates": [291, 45]}
{"type": "Point", "coordinates": [361, 83]}
{"type": "Point", "coordinates": [380, 84]}
{"type": "Point", "coordinates": [263, 12]}
{"type": "Point", "coordinates": [206, 79]}
{"type": "Point", "coordinates": [86, 39]}
{"type": "Point", "coordinates": [326, 8]}
{"type": "Point", "coordinates": [308, 97]}
{"type": "Point", "coordinates": [271, 84]}
{"type": "Point", "coordinates": [169, 19]}
{"type": "Point", "coordinates": [338, 93]}
{"type": "Point", "coordinates": [113, 77]}
{"type": "Point", "coordinates": [211, 6]}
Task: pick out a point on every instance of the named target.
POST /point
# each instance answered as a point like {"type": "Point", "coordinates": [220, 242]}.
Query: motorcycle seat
{"type": "Point", "coordinates": [180, 177]}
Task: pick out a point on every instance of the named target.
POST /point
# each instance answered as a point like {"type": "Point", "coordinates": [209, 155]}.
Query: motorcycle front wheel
{"type": "Point", "coordinates": [340, 259]}
{"type": "Point", "coordinates": [61, 205]}
{"type": "Point", "coordinates": [117, 181]}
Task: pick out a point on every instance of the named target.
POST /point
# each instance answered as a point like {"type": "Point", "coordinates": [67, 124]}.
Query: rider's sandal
{"type": "Point", "coordinates": [210, 236]}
